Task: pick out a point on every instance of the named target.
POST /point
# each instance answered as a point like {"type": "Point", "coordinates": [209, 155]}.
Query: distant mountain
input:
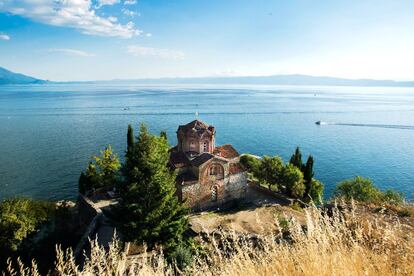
{"type": "Point", "coordinates": [9, 77]}
{"type": "Point", "coordinates": [273, 80]}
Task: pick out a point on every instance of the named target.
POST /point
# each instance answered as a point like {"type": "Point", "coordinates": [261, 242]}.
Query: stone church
{"type": "Point", "coordinates": [209, 176]}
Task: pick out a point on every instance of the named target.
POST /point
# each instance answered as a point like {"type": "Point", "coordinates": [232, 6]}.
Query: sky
{"type": "Point", "coordinates": [76, 40]}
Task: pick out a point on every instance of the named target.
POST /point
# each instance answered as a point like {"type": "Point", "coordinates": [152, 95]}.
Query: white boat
{"type": "Point", "coordinates": [320, 123]}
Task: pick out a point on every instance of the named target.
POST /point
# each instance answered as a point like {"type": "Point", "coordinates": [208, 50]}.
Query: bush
{"type": "Point", "coordinates": [101, 172]}
{"type": "Point", "coordinates": [315, 191]}
{"type": "Point", "coordinates": [292, 180]}
{"type": "Point", "coordinates": [393, 197]}
{"type": "Point", "coordinates": [19, 219]}
{"type": "Point", "coordinates": [252, 164]}
{"type": "Point", "coordinates": [363, 190]}
{"type": "Point", "coordinates": [338, 245]}
{"type": "Point", "coordinates": [182, 257]}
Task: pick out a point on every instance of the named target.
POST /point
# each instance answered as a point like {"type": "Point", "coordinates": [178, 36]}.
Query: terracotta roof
{"type": "Point", "coordinates": [226, 151]}
{"type": "Point", "coordinates": [179, 160]}
{"type": "Point", "coordinates": [235, 168]}
{"type": "Point", "coordinates": [201, 159]}
{"type": "Point", "coordinates": [196, 126]}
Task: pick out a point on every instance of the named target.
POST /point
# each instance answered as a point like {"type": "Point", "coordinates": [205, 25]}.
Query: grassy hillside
{"type": "Point", "coordinates": [336, 242]}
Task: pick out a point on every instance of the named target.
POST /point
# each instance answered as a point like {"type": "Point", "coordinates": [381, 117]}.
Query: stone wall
{"type": "Point", "coordinates": [90, 217]}
{"type": "Point", "coordinates": [237, 186]}
{"type": "Point", "coordinates": [87, 211]}
{"type": "Point", "coordinates": [199, 196]}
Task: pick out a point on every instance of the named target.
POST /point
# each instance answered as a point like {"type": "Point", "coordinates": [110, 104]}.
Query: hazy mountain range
{"type": "Point", "coordinates": [8, 77]}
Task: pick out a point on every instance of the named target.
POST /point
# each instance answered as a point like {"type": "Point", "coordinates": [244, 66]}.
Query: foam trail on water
{"type": "Point", "coordinates": [375, 125]}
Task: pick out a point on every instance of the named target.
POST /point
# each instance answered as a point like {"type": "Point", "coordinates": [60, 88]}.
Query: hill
{"type": "Point", "coordinates": [9, 77]}
{"type": "Point", "coordinates": [272, 80]}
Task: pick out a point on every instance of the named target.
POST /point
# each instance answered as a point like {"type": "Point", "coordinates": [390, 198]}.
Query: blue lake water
{"type": "Point", "coordinates": [48, 133]}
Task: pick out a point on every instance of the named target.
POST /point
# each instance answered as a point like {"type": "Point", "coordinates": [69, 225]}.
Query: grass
{"type": "Point", "coordinates": [340, 244]}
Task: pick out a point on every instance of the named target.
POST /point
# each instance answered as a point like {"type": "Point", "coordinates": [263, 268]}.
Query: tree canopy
{"type": "Point", "coordinates": [19, 218]}
{"type": "Point", "coordinates": [102, 171]}
{"type": "Point", "coordinates": [149, 210]}
{"type": "Point", "coordinates": [363, 190]}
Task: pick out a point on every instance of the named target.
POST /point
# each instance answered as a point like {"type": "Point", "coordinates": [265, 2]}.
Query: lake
{"type": "Point", "coordinates": [49, 132]}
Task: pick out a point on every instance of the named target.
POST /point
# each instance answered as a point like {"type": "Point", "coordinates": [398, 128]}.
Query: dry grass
{"type": "Point", "coordinates": [340, 244]}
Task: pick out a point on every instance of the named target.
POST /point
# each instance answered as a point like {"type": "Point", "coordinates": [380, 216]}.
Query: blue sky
{"type": "Point", "coordinates": [124, 39]}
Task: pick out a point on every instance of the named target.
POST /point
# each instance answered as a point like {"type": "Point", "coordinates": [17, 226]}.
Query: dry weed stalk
{"type": "Point", "coordinates": [337, 244]}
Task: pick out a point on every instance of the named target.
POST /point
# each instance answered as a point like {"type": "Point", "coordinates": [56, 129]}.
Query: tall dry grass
{"type": "Point", "coordinates": [339, 244]}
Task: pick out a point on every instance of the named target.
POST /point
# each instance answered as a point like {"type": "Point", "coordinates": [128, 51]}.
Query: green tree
{"type": "Point", "coordinates": [252, 164]}
{"type": "Point", "coordinates": [363, 190]}
{"type": "Point", "coordinates": [20, 218]}
{"type": "Point", "coordinates": [296, 159]}
{"type": "Point", "coordinates": [130, 139]}
{"type": "Point", "coordinates": [358, 188]}
{"type": "Point", "coordinates": [308, 170]}
{"type": "Point", "coordinates": [163, 134]}
{"type": "Point", "coordinates": [101, 172]}
{"type": "Point", "coordinates": [270, 170]}
{"type": "Point", "coordinates": [315, 192]}
{"type": "Point", "coordinates": [150, 211]}
{"type": "Point", "coordinates": [291, 180]}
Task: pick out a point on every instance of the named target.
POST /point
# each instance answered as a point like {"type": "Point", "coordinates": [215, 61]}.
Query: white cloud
{"type": "Point", "coordinates": [112, 19]}
{"type": "Point", "coordinates": [137, 50]}
{"type": "Point", "coordinates": [130, 2]}
{"type": "Point", "coordinates": [78, 14]}
{"type": "Point", "coordinates": [4, 37]}
{"type": "Point", "coordinates": [148, 34]}
{"type": "Point", "coordinates": [107, 3]}
{"type": "Point", "coordinates": [130, 13]}
{"type": "Point", "coordinates": [71, 52]}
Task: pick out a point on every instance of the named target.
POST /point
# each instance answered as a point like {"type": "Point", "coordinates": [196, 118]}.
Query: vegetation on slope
{"type": "Point", "coordinates": [338, 244]}
{"type": "Point", "coordinates": [31, 228]}
{"type": "Point", "coordinates": [294, 179]}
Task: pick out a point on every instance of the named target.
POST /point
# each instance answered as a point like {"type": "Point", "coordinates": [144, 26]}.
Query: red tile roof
{"type": "Point", "coordinates": [235, 168]}
{"type": "Point", "coordinates": [226, 151]}
{"type": "Point", "coordinates": [196, 126]}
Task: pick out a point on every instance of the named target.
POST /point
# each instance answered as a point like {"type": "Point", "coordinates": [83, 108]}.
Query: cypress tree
{"type": "Point", "coordinates": [296, 159]}
{"type": "Point", "coordinates": [163, 134]}
{"type": "Point", "coordinates": [308, 171]}
{"type": "Point", "coordinates": [149, 211]}
{"type": "Point", "coordinates": [130, 139]}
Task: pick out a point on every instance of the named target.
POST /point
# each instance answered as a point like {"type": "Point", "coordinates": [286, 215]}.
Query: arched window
{"type": "Point", "coordinates": [217, 170]}
{"type": "Point", "coordinates": [213, 170]}
{"type": "Point", "coordinates": [205, 146]}
{"type": "Point", "coordinates": [192, 145]}
{"type": "Point", "coordinates": [214, 192]}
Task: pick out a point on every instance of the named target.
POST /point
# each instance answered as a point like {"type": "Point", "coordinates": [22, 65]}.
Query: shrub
{"type": "Point", "coordinates": [363, 190]}
{"type": "Point", "coordinates": [101, 172]}
{"type": "Point", "coordinates": [19, 219]}
{"type": "Point", "coordinates": [182, 257]}
{"type": "Point", "coordinates": [358, 188]}
{"type": "Point", "coordinates": [315, 191]}
{"type": "Point", "coordinates": [292, 180]}
{"type": "Point", "coordinates": [252, 164]}
{"type": "Point", "coordinates": [344, 244]}
{"type": "Point", "coordinates": [406, 212]}
{"type": "Point", "coordinates": [393, 197]}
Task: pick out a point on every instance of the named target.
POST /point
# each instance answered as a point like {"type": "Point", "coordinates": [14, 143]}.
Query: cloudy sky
{"type": "Point", "coordinates": [124, 39]}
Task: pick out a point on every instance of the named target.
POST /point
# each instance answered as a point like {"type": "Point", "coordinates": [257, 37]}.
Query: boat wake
{"type": "Point", "coordinates": [406, 127]}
